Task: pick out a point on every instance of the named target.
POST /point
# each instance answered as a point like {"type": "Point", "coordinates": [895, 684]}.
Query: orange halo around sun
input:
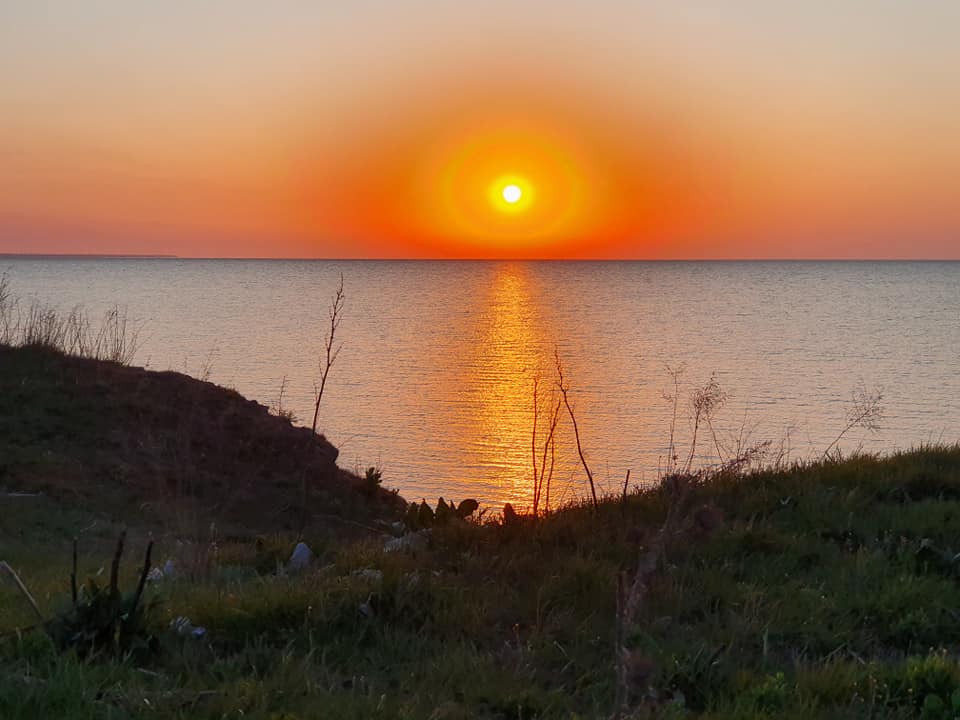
{"type": "Point", "coordinates": [502, 188]}
{"type": "Point", "coordinates": [525, 185]}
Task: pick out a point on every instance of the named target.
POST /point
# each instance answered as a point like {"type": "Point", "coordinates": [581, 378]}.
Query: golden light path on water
{"type": "Point", "coordinates": [512, 333]}
{"type": "Point", "coordinates": [494, 345]}
{"type": "Point", "coordinates": [517, 338]}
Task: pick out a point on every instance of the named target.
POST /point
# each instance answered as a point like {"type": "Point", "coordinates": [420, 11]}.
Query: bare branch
{"type": "Point", "coordinates": [23, 589]}
{"type": "Point", "coordinates": [533, 441]}
{"type": "Point", "coordinates": [329, 357]}
{"type": "Point", "coordinates": [330, 352]}
{"type": "Point", "coordinates": [564, 389]}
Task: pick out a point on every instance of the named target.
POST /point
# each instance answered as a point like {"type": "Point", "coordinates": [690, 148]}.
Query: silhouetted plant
{"type": "Point", "coordinates": [278, 409]}
{"type": "Point", "coordinates": [6, 311]}
{"type": "Point", "coordinates": [564, 389]}
{"type": "Point", "coordinates": [866, 411]}
{"type": "Point", "coordinates": [674, 399]}
{"type": "Point", "coordinates": [704, 404]}
{"type": "Point", "coordinates": [327, 359]}
{"type": "Point", "coordinates": [102, 620]}
{"type": "Point", "coordinates": [115, 339]}
{"type": "Point", "coordinates": [331, 350]}
{"type": "Point", "coordinates": [420, 516]}
{"type": "Point", "coordinates": [542, 473]}
{"type": "Point", "coordinates": [372, 480]}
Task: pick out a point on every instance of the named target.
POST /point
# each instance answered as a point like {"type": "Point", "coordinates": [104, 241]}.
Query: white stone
{"type": "Point", "coordinates": [183, 627]}
{"type": "Point", "coordinates": [300, 558]}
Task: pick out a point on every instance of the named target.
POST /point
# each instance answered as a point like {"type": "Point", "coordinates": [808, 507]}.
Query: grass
{"type": "Point", "coordinates": [827, 590]}
{"type": "Point", "coordinates": [116, 338]}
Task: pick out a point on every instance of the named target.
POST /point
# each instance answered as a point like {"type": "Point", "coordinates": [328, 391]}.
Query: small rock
{"type": "Point", "coordinates": [184, 628]}
{"type": "Point", "coordinates": [300, 558]}
{"type": "Point", "coordinates": [411, 542]}
{"type": "Point", "coordinates": [155, 575]}
{"type": "Point", "coordinates": [169, 569]}
{"type": "Point", "coordinates": [366, 609]}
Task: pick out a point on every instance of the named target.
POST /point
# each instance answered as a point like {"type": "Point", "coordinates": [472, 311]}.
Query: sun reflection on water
{"type": "Point", "coordinates": [515, 339]}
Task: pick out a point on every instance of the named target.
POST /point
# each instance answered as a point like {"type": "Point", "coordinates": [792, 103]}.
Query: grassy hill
{"type": "Point", "coordinates": [155, 447]}
{"type": "Point", "coordinates": [829, 591]}
{"type": "Point", "coordinates": [824, 590]}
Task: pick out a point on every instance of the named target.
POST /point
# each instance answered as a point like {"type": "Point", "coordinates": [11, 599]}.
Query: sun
{"type": "Point", "coordinates": [511, 194]}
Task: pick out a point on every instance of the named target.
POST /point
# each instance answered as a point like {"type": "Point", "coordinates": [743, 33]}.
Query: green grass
{"type": "Point", "coordinates": [828, 591]}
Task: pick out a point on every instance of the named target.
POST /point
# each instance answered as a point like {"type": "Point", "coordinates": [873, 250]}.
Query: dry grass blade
{"type": "Point", "coordinates": [23, 588]}
{"type": "Point", "coordinates": [116, 339]}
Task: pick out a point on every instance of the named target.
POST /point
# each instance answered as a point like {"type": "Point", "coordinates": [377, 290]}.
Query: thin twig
{"type": "Point", "coordinates": [533, 442]}
{"type": "Point", "coordinates": [330, 356]}
{"type": "Point", "coordinates": [73, 576]}
{"type": "Point", "coordinates": [143, 578]}
{"type": "Point", "coordinates": [115, 565]}
{"type": "Point", "coordinates": [675, 373]}
{"type": "Point", "coordinates": [330, 353]}
{"type": "Point", "coordinates": [543, 478]}
{"type": "Point", "coordinates": [576, 431]}
{"type": "Point", "coordinates": [23, 588]}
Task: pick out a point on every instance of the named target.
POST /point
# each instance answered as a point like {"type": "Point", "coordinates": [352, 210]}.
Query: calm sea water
{"type": "Point", "coordinates": [434, 382]}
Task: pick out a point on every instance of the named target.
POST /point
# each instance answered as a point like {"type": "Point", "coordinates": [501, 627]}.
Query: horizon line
{"type": "Point", "coordinates": [168, 256]}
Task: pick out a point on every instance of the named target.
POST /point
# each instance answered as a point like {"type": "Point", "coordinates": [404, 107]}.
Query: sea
{"type": "Point", "coordinates": [441, 364]}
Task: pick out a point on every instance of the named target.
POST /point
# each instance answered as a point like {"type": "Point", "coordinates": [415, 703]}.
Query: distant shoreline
{"type": "Point", "coordinates": [84, 256]}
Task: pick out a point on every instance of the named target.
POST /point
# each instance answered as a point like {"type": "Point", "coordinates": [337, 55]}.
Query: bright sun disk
{"type": "Point", "coordinates": [512, 193]}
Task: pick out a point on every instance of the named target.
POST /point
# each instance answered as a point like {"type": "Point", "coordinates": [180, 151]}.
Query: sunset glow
{"type": "Point", "coordinates": [394, 131]}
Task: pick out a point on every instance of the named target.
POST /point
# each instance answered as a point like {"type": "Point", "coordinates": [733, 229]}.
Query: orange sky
{"type": "Point", "coordinates": [383, 129]}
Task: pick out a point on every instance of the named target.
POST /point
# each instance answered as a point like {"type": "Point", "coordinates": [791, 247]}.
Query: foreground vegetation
{"type": "Point", "coordinates": [827, 590]}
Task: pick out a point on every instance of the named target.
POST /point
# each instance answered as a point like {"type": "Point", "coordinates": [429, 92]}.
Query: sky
{"type": "Point", "coordinates": [627, 129]}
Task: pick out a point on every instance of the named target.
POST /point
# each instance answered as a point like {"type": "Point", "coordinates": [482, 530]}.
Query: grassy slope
{"type": "Point", "coordinates": [818, 596]}
{"type": "Point", "coordinates": [158, 446]}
